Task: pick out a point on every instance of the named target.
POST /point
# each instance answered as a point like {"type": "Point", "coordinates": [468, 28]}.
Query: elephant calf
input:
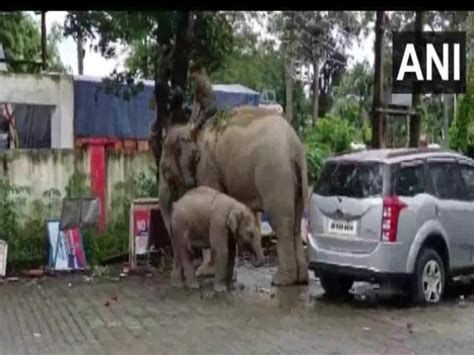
{"type": "Point", "coordinates": [206, 218]}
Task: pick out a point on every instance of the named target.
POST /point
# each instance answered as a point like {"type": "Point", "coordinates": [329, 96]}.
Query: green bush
{"type": "Point", "coordinates": [462, 129]}
{"type": "Point", "coordinates": [26, 234]}
{"type": "Point", "coordinates": [101, 247]}
{"type": "Point", "coordinates": [330, 135]}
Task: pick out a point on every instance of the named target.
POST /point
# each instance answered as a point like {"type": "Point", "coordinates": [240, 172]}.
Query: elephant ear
{"type": "Point", "coordinates": [233, 221]}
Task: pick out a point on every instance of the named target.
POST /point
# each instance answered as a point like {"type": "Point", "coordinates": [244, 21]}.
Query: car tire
{"type": "Point", "coordinates": [429, 279]}
{"type": "Point", "coordinates": [335, 286]}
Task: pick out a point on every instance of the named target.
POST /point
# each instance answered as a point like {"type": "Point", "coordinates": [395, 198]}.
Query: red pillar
{"type": "Point", "coordinates": [99, 178]}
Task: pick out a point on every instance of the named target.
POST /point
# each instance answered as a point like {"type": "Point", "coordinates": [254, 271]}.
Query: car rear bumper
{"type": "Point", "coordinates": [357, 274]}
{"type": "Point", "coordinates": [382, 258]}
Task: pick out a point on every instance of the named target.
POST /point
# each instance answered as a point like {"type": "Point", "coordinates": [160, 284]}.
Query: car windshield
{"type": "Point", "coordinates": [351, 179]}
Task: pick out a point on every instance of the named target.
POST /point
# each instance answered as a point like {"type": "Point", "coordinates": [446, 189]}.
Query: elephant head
{"type": "Point", "coordinates": [176, 171]}
{"type": "Point", "coordinates": [178, 159]}
{"type": "Point", "coordinates": [241, 223]}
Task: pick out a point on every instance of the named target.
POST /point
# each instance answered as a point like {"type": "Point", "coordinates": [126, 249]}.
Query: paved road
{"type": "Point", "coordinates": [143, 315]}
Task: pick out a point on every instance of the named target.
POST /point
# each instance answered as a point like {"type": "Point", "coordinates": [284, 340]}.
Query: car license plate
{"type": "Point", "coordinates": [346, 228]}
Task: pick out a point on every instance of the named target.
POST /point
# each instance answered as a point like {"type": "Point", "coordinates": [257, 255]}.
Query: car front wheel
{"type": "Point", "coordinates": [429, 278]}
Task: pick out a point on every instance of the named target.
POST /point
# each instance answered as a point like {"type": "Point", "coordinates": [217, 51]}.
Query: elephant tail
{"type": "Point", "coordinates": [302, 174]}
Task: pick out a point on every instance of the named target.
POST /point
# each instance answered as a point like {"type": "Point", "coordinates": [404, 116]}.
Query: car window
{"type": "Point", "coordinates": [351, 179]}
{"type": "Point", "coordinates": [447, 180]}
{"type": "Point", "coordinates": [467, 173]}
{"type": "Point", "coordinates": [410, 181]}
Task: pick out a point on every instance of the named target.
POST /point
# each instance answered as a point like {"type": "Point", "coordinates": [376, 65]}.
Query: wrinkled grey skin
{"type": "Point", "coordinates": [257, 159]}
{"type": "Point", "coordinates": [206, 218]}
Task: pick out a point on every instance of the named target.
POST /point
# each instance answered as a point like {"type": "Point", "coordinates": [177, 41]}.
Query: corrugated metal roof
{"type": "Point", "coordinates": [237, 88]}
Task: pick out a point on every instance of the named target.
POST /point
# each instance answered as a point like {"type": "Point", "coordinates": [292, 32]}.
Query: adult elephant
{"type": "Point", "coordinates": [255, 157]}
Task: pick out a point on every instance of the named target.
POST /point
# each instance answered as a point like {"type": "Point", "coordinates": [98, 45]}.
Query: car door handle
{"type": "Point", "coordinates": [437, 211]}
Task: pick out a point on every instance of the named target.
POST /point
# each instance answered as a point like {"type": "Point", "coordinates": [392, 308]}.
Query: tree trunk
{"type": "Point", "coordinates": [289, 86]}
{"type": "Point", "coordinates": [161, 100]}
{"type": "Point", "coordinates": [415, 120]}
{"type": "Point", "coordinates": [289, 73]}
{"type": "Point", "coordinates": [145, 60]}
{"type": "Point", "coordinates": [315, 98]}
{"type": "Point", "coordinates": [80, 55]}
{"type": "Point", "coordinates": [377, 114]}
{"type": "Point", "coordinates": [43, 40]}
{"type": "Point", "coordinates": [180, 52]}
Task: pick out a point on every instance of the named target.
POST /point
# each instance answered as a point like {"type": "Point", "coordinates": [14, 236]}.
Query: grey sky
{"type": "Point", "coordinates": [96, 65]}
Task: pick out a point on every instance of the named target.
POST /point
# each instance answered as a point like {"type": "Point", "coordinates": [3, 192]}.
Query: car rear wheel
{"type": "Point", "coordinates": [335, 285]}
{"type": "Point", "coordinates": [429, 279]}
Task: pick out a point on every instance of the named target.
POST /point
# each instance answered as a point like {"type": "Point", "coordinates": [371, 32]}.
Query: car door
{"type": "Point", "coordinates": [467, 172]}
{"type": "Point", "coordinates": [453, 209]}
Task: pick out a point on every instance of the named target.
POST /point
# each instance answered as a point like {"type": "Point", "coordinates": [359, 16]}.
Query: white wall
{"type": "Point", "coordinates": [44, 89]}
{"type": "Point", "coordinates": [43, 169]}
{"type": "Point", "coordinates": [120, 168]}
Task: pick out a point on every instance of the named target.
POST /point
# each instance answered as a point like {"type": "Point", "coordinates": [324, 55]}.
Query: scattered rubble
{"type": "Point", "coordinates": [462, 302]}
{"type": "Point", "coordinates": [34, 273]}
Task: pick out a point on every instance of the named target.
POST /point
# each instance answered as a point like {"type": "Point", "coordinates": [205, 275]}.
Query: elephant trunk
{"type": "Point", "coordinates": [258, 259]}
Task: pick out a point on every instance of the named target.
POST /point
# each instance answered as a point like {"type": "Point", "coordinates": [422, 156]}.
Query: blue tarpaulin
{"type": "Point", "coordinates": [101, 114]}
{"type": "Point", "coordinates": [229, 96]}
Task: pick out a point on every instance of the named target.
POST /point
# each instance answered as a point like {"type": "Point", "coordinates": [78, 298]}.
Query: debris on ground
{"type": "Point", "coordinates": [366, 329]}
{"type": "Point", "coordinates": [462, 302]}
{"type": "Point", "coordinates": [267, 291]}
{"type": "Point", "coordinates": [33, 273]}
{"type": "Point", "coordinates": [410, 328]}
{"type": "Point", "coordinates": [100, 271]}
{"type": "Point", "coordinates": [12, 279]}
{"type": "Point", "coordinates": [88, 278]}
{"type": "Point", "coordinates": [37, 335]}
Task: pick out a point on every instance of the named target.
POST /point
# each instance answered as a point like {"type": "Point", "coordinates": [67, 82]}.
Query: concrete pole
{"type": "Point", "coordinates": [43, 40]}
{"type": "Point", "coordinates": [377, 115]}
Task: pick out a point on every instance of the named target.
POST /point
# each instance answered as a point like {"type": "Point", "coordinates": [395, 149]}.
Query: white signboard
{"type": "Point", "coordinates": [3, 66]}
{"type": "Point", "coordinates": [3, 257]}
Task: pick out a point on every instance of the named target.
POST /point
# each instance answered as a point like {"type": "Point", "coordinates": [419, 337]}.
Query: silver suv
{"type": "Point", "coordinates": [400, 215]}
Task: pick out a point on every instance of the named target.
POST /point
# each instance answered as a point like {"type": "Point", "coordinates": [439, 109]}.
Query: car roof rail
{"type": "Point", "coordinates": [415, 151]}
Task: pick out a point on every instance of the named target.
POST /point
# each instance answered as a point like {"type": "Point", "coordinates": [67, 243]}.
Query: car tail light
{"type": "Point", "coordinates": [392, 206]}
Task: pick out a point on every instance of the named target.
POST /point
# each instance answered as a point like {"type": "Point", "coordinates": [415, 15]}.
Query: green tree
{"type": "Point", "coordinates": [352, 97]}
{"type": "Point", "coordinates": [462, 130]}
{"type": "Point", "coordinates": [163, 44]}
{"type": "Point", "coordinates": [260, 64]}
{"type": "Point", "coordinates": [21, 40]}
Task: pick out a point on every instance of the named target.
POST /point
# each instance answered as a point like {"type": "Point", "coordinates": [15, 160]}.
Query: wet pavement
{"type": "Point", "coordinates": [144, 315]}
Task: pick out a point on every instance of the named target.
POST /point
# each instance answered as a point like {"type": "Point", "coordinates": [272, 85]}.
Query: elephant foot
{"type": "Point", "coordinates": [303, 277]}
{"type": "Point", "coordinates": [284, 279]}
{"type": "Point", "coordinates": [176, 279]}
{"type": "Point", "coordinates": [205, 270]}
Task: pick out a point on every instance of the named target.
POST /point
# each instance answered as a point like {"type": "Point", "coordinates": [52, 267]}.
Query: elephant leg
{"type": "Point", "coordinates": [221, 269]}
{"type": "Point", "coordinates": [287, 272]}
{"type": "Point", "coordinates": [278, 197]}
{"type": "Point", "coordinates": [207, 266]}
{"type": "Point", "coordinates": [301, 261]}
{"type": "Point", "coordinates": [187, 260]}
{"type": "Point", "coordinates": [230, 263]}
{"type": "Point", "coordinates": [177, 272]}
{"type": "Point", "coordinates": [220, 242]}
